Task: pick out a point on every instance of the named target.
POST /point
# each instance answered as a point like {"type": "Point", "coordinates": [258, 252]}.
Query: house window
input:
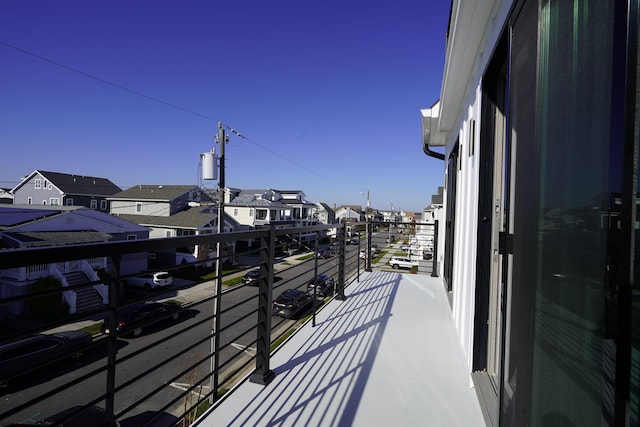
{"type": "Point", "coordinates": [138, 207]}
{"type": "Point", "coordinates": [38, 184]}
{"type": "Point", "coordinates": [68, 201]}
{"type": "Point", "coordinates": [94, 204]}
{"type": "Point", "coordinates": [44, 203]}
{"type": "Point", "coordinates": [235, 212]}
{"type": "Point", "coordinates": [131, 237]}
{"type": "Point", "coordinates": [46, 185]}
{"type": "Point", "coordinates": [261, 214]}
{"type": "Point", "coordinates": [54, 201]}
{"type": "Point", "coordinates": [250, 212]}
{"type": "Point", "coordinates": [29, 200]}
{"type": "Point", "coordinates": [103, 205]}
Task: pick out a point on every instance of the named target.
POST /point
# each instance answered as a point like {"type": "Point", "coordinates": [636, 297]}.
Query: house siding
{"type": "Point", "coordinates": [566, 194]}
{"type": "Point", "coordinates": [40, 190]}
{"type": "Point", "coordinates": [140, 207]}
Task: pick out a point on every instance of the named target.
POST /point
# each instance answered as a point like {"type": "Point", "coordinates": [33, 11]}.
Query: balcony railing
{"type": "Point", "coordinates": [179, 362]}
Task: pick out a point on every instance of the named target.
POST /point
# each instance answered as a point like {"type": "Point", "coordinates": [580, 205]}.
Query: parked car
{"type": "Point", "coordinates": [375, 249]}
{"type": "Point", "coordinates": [390, 239]}
{"type": "Point", "coordinates": [150, 281]}
{"type": "Point", "coordinates": [39, 350]}
{"type": "Point", "coordinates": [291, 302]}
{"type": "Point", "coordinates": [325, 287]}
{"type": "Point", "coordinates": [324, 253]}
{"type": "Point", "coordinates": [132, 319]}
{"type": "Point", "coordinates": [405, 247]}
{"type": "Point", "coordinates": [353, 241]}
{"type": "Point", "coordinates": [251, 278]}
{"type": "Point", "coordinates": [401, 262]}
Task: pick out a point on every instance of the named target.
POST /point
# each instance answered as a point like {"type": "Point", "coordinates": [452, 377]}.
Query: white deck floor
{"type": "Point", "coordinates": [386, 356]}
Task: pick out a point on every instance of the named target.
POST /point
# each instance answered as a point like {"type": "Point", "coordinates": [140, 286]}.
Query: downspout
{"type": "Point", "coordinates": [429, 119]}
{"type": "Point", "coordinates": [429, 152]}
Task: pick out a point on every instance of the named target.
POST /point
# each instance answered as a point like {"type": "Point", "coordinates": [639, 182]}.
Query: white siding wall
{"type": "Point", "coordinates": [243, 215]}
{"type": "Point", "coordinates": [464, 267]}
{"type": "Point", "coordinates": [130, 207]}
{"type": "Point", "coordinates": [464, 270]}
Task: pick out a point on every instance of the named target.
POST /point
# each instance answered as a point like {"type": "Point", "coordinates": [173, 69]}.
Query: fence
{"type": "Point", "coordinates": [210, 331]}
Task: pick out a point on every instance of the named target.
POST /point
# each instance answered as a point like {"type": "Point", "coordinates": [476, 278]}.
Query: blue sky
{"type": "Point", "coordinates": [327, 93]}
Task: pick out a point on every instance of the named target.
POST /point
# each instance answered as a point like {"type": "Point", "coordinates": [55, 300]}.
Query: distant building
{"type": "Point", "coordinates": [46, 188]}
{"type": "Point", "coordinates": [323, 213]}
{"type": "Point", "coordinates": [349, 213]}
{"type": "Point", "coordinates": [170, 211]}
{"type": "Point", "coordinates": [28, 226]}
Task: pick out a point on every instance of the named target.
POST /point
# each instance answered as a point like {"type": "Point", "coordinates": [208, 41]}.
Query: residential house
{"type": "Point", "coordinates": [171, 211]}
{"type": "Point", "coordinates": [537, 119]}
{"type": "Point", "coordinates": [349, 213]}
{"type": "Point", "coordinates": [391, 216]}
{"type": "Point", "coordinates": [261, 207]}
{"type": "Point", "coordinates": [299, 208]}
{"type": "Point", "coordinates": [323, 213]}
{"type": "Point", "coordinates": [55, 188]}
{"type": "Point", "coordinates": [255, 207]}
{"type": "Point", "coordinates": [29, 226]}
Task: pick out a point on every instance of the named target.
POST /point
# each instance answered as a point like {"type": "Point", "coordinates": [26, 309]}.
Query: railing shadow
{"type": "Point", "coordinates": [331, 369]}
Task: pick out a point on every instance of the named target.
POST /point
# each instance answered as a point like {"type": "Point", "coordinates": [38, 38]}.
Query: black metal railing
{"type": "Point", "coordinates": [180, 361]}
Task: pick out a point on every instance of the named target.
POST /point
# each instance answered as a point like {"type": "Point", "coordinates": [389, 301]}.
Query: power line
{"type": "Point", "coordinates": [100, 79]}
{"type": "Point", "coordinates": [168, 104]}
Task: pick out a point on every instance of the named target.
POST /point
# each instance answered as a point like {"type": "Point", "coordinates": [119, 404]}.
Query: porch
{"type": "Point", "coordinates": [387, 355]}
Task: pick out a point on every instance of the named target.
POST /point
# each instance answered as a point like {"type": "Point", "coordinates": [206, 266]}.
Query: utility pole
{"type": "Point", "coordinates": [222, 139]}
{"type": "Point", "coordinates": [215, 327]}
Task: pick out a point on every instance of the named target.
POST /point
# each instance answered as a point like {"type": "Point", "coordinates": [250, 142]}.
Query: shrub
{"type": "Point", "coordinates": [49, 304]}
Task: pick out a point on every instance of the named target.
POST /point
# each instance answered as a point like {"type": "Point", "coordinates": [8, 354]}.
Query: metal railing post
{"type": "Point", "coordinates": [315, 280]}
{"type": "Point", "coordinates": [434, 262]}
{"type": "Point", "coordinates": [263, 374]}
{"type": "Point", "coordinates": [215, 328]}
{"type": "Point", "coordinates": [112, 344]}
{"type": "Point", "coordinates": [368, 257]}
{"type": "Point", "coordinates": [360, 259]}
{"type": "Point", "coordinates": [342, 253]}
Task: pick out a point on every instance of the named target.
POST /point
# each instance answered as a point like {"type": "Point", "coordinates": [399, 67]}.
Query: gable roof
{"type": "Point", "coordinates": [36, 226]}
{"type": "Point", "coordinates": [75, 184]}
{"type": "Point", "coordinates": [191, 218]}
{"type": "Point", "coordinates": [247, 198]}
{"type": "Point", "coordinates": [355, 208]}
{"type": "Point", "coordinates": [11, 216]}
{"type": "Point", "coordinates": [326, 207]}
{"type": "Point", "coordinates": [155, 192]}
